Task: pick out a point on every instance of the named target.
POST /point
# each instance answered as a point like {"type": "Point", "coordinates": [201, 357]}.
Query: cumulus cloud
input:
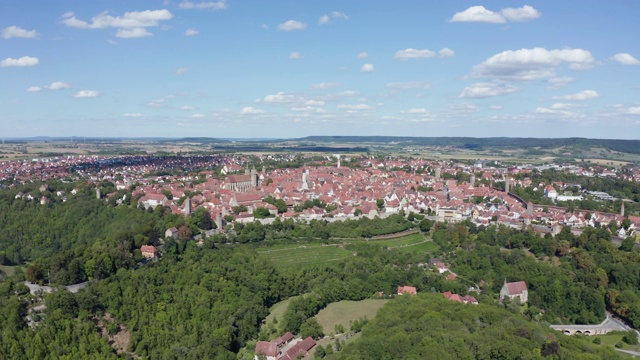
{"type": "Point", "coordinates": [250, 110]}
{"type": "Point", "coordinates": [138, 32]}
{"type": "Point", "coordinates": [197, 116]}
{"type": "Point", "coordinates": [363, 55]}
{"type": "Point", "coordinates": [314, 103]}
{"type": "Point", "coordinates": [58, 85]}
{"type": "Point", "coordinates": [532, 64]}
{"type": "Point", "coordinates": [181, 71]}
{"type": "Point", "coordinates": [281, 98]}
{"type": "Point", "coordinates": [132, 115]}
{"type": "Point", "coordinates": [131, 19]}
{"type": "Point", "coordinates": [409, 85]}
{"type": "Point", "coordinates": [446, 52]}
{"type": "Point", "coordinates": [191, 32]}
{"type": "Point", "coordinates": [204, 5]}
{"type": "Point", "coordinates": [295, 55]}
{"type": "Point", "coordinates": [325, 19]}
{"type": "Point", "coordinates": [24, 61]}
{"type": "Point", "coordinates": [626, 59]}
{"type": "Point", "coordinates": [34, 89]}
{"type": "Point", "coordinates": [481, 14]}
{"type": "Point", "coordinates": [524, 13]}
{"type": "Point", "coordinates": [17, 32]}
{"type": "Point", "coordinates": [582, 95]}
{"type": "Point", "coordinates": [291, 25]}
{"type": "Point", "coordinates": [86, 94]}
{"type": "Point", "coordinates": [478, 14]}
{"type": "Point", "coordinates": [132, 24]}
{"type": "Point", "coordinates": [485, 90]}
{"type": "Point", "coordinates": [414, 54]}
{"type": "Point", "coordinates": [326, 85]}
{"type": "Point", "coordinates": [187, 108]}
{"type": "Point", "coordinates": [367, 68]}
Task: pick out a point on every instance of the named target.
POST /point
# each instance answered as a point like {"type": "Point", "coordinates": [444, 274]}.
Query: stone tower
{"type": "Point", "coordinates": [622, 209]}
{"type": "Point", "coordinates": [98, 195]}
{"type": "Point", "coordinates": [187, 206]}
{"type": "Point", "coordinates": [254, 177]}
{"type": "Point", "coordinates": [506, 185]}
{"type": "Point", "coordinates": [472, 179]}
{"type": "Point", "coordinates": [438, 170]}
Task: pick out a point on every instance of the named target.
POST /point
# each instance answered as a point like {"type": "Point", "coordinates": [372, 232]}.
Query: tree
{"type": "Point", "coordinates": [203, 219]}
{"type": "Point", "coordinates": [425, 225]}
{"type": "Point", "coordinates": [184, 233]}
{"type": "Point", "coordinates": [311, 327]}
{"type": "Point", "coordinates": [380, 204]}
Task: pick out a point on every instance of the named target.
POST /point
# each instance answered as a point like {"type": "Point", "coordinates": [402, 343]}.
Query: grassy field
{"type": "Point", "coordinates": [344, 312]}
{"type": "Point", "coordinates": [9, 270]}
{"type": "Point", "coordinates": [613, 339]}
{"type": "Point", "coordinates": [300, 255]}
{"type": "Point", "coordinates": [314, 253]}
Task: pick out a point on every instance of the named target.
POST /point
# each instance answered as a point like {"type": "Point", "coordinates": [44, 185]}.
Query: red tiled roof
{"type": "Point", "coordinates": [267, 348]}
{"type": "Point", "coordinates": [516, 287]}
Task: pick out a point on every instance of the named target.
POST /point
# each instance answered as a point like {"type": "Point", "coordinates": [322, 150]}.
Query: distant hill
{"type": "Point", "coordinates": [628, 146]}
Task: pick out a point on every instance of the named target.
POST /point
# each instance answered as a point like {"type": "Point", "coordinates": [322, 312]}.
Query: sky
{"type": "Point", "coordinates": [288, 69]}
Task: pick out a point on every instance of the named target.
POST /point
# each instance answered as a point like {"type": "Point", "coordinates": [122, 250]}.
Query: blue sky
{"type": "Point", "coordinates": [289, 69]}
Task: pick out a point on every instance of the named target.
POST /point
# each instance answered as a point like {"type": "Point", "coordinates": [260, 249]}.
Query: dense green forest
{"type": "Point", "coordinates": [210, 301]}
{"type": "Point", "coordinates": [428, 326]}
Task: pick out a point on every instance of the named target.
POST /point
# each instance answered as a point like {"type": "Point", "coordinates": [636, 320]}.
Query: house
{"type": "Point", "coordinates": [267, 348]}
{"type": "Point", "coordinates": [411, 290]}
{"type": "Point", "coordinates": [149, 251]}
{"type": "Point", "coordinates": [299, 350]}
{"type": "Point", "coordinates": [515, 291]}
{"type": "Point", "coordinates": [171, 233]}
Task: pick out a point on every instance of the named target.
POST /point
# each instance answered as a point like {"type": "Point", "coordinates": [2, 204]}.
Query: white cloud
{"type": "Point", "coordinates": [250, 110]}
{"type": "Point", "coordinates": [281, 98]}
{"type": "Point", "coordinates": [520, 14]}
{"type": "Point", "coordinates": [367, 68]}
{"type": "Point", "coordinates": [197, 116]}
{"type": "Point", "coordinates": [355, 107]}
{"type": "Point", "coordinates": [363, 55]}
{"type": "Point", "coordinates": [314, 103]}
{"type": "Point", "coordinates": [181, 70]}
{"type": "Point", "coordinates": [626, 59]}
{"type": "Point", "coordinates": [291, 25]}
{"type": "Point", "coordinates": [415, 111]}
{"type": "Point", "coordinates": [86, 94]}
{"type": "Point", "coordinates": [58, 85]}
{"type": "Point", "coordinates": [446, 52]}
{"type": "Point", "coordinates": [582, 95]}
{"type": "Point", "coordinates": [325, 19]}
{"type": "Point", "coordinates": [478, 14]}
{"type": "Point", "coordinates": [485, 90]}
{"type": "Point", "coordinates": [409, 85]}
{"type": "Point", "coordinates": [558, 82]}
{"type": "Point", "coordinates": [562, 106]}
{"type": "Point", "coordinates": [295, 55]}
{"type": "Point", "coordinates": [532, 64]}
{"type": "Point", "coordinates": [133, 115]}
{"type": "Point", "coordinates": [191, 32]}
{"type": "Point", "coordinates": [187, 108]}
{"type": "Point", "coordinates": [156, 103]}
{"type": "Point", "coordinates": [17, 32]}
{"type": "Point", "coordinates": [34, 89]}
{"type": "Point", "coordinates": [133, 33]}
{"type": "Point", "coordinates": [481, 14]}
{"type": "Point", "coordinates": [414, 54]}
{"type": "Point", "coordinates": [20, 62]}
{"type": "Point", "coordinates": [132, 19]}
{"type": "Point", "coordinates": [633, 110]}
{"type": "Point", "coordinates": [326, 85]}
{"type": "Point", "coordinates": [209, 5]}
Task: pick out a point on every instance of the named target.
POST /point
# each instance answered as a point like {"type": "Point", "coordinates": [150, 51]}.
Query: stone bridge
{"type": "Point", "coordinates": [608, 325]}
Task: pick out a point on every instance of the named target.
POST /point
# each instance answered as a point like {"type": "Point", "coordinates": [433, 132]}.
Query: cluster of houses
{"type": "Point", "coordinates": [285, 347]}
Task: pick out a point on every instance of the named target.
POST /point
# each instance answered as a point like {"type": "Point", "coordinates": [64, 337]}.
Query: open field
{"type": "Point", "coordinates": [344, 312]}
{"type": "Point", "coordinates": [315, 253]}
{"type": "Point", "coordinates": [277, 310]}
{"type": "Point", "coordinates": [301, 255]}
{"type": "Point", "coordinates": [9, 270]}
{"type": "Point", "coordinates": [613, 339]}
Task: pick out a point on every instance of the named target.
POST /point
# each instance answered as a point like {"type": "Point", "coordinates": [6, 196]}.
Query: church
{"type": "Point", "coordinates": [243, 183]}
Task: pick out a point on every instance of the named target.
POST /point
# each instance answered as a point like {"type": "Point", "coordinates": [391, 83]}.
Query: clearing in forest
{"type": "Point", "coordinates": [345, 312]}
